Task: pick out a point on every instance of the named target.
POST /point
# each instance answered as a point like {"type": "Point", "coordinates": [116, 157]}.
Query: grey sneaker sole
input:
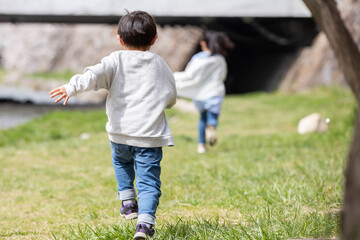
{"type": "Point", "coordinates": [130, 216]}
{"type": "Point", "coordinates": [140, 236]}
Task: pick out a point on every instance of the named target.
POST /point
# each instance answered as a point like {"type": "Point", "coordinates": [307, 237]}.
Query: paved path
{"type": "Point", "coordinates": [23, 95]}
{"type": "Point", "coordinates": [18, 105]}
{"type": "Point", "coordinates": [13, 114]}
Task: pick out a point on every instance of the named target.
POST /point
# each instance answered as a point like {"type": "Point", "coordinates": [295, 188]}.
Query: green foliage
{"type": "Point", "coordinates": [55, 126]}
{"type": "Point", "coordinates": [66, 75]}
{"type": "Point", "coordinates": [261, 181]}
{"type": "Point", "coordinates": [2, 74]}
{"type": "Point", "coordinates": [267, 228]}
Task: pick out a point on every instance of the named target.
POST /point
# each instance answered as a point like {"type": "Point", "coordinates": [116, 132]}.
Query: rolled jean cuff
{"type": "Point", "coordinates": [146, 218]}
{"type": "Point", "coordinates": [127, 194]}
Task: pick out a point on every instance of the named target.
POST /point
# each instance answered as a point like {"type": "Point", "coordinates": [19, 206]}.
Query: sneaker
{"type": "Point", "coordinates": [129, 211]}
{"type": "Point", "coordinates": [143, 232]}
{"type": "Point", "coordinates": [211, 135]}
{"type": "Point", "coordinates": [201, 148]}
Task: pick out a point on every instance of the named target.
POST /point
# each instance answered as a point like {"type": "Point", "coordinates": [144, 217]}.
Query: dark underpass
{"type": "Point", "coordinates": [265, 48]}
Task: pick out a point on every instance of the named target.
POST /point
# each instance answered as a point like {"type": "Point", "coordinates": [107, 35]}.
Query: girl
{"type": "Point", "coordinates": [203, 82]}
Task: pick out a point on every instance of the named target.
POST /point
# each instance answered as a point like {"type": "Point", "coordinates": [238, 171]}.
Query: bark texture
{"type": "Point", "coordinates": [326, 14]}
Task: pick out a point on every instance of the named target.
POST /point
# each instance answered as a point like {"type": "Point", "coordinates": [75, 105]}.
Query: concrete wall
{"type": "Point", "coordinates": [172, 8]}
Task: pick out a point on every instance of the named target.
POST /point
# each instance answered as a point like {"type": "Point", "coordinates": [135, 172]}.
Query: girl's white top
{"type": "Point", "coordinates": [202, 78]}
{"type": "Point", "coordinates": [140, 86]}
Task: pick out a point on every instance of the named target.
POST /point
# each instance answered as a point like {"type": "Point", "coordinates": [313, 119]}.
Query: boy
{"type": "Point", "coordinates": [140, 86]}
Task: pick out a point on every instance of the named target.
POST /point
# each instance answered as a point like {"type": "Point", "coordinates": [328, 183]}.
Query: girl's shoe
{"type": "Point", "coordinates": [130, 210]}
{"type": "Point", "coordinates": [201, 148]}
{"type": "Point", "coordinates": [143, 232]}
{"type": "Point", "coordinates": [211, 135]}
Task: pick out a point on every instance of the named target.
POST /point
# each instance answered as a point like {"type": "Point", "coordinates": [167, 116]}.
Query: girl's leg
{"type": "Point", "coordinates": [212, 122]}
{"type": "Point", "coordinates": [201, 127]}
{"type": "Point", "coordinates": [124, 170]}
{"type": "Point", "coordinates": [201, 133]}
{"type": "Point", "coordinates": [212, 119]}
{"type": "Point", "coordinates": [147, 167]}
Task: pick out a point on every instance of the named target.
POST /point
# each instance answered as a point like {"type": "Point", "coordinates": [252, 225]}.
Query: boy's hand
{"type": "Point", "coordinates": [59, 91]}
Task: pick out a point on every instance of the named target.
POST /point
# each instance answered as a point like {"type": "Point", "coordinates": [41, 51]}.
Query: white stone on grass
{"type": "Point", "coordinates": [313, 123]}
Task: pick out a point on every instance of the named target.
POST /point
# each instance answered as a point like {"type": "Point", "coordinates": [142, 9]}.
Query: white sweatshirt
{"type": "Point", "coordinates": [141, 86]}
{"type": "Point", "coordinates": [202, 79]}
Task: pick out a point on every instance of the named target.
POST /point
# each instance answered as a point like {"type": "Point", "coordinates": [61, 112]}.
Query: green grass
{"type": "Point", "coordinates": [2, 74]}
{"type": "Point", "coordinates": [64, 75]}
{"type": "Point", "coordinates": [60, 125]}
{"type": "Point", "coordinates": [261, 181]}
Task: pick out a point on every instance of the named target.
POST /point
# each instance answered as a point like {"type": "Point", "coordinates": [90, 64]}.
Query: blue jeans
{"type": "Point", "coordinates": [206, 118]}
{"type": "Point", "coordinates": [209, 113]}
{"type": "Point", "coordinates": [129, 161]}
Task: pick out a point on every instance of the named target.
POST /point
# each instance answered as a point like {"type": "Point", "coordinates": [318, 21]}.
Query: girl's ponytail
{"type": "Point", "coordinates": [218, 42]}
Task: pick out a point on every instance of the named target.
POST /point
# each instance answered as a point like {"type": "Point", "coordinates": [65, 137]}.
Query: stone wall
{"type": "Point", "coordinates": [317, 65]}
{"type": "Point", "coordinates": [58, 47]}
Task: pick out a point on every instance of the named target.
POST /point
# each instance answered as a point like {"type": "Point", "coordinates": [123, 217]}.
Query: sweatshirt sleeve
{"type": "Point", "coordinates": [193, 74]}
{"type": "Point", "coordinates": [94, 77]}
{"type": "Point", "coordinates": [186, 77]}
{"type": "Point", "coordinates": [188, 81]}
{"type": "Point", "coordinates": [173, 93]}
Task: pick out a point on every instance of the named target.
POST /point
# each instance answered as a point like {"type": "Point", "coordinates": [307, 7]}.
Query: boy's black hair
{"type": "Point", "coordinates": [137, 29]}
{"type": "Point", "coordinates": [217, 42]}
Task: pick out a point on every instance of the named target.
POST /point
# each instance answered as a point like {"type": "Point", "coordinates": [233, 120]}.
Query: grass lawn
{"type": "Point", "coordinates": [66, 75]}
{"type": "Point", "coordinates": [2, 74]}
{"type": "Point", "coordinates": [261, 181]}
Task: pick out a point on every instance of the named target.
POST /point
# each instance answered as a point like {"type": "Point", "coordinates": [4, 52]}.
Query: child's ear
{"type": "Point", "coordinates": [154, 39]}
{"type": "Point", "coordinates": [120, 40]}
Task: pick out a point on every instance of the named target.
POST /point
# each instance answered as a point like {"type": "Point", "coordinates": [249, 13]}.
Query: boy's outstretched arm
{"type": "Point", "coordinates": [59, 91]}
{"type": "Point", "coordinates": [94, 77]}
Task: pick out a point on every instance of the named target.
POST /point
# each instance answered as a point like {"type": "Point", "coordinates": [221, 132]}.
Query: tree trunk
{"type": "Point", "coordinates": [326, 14]}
